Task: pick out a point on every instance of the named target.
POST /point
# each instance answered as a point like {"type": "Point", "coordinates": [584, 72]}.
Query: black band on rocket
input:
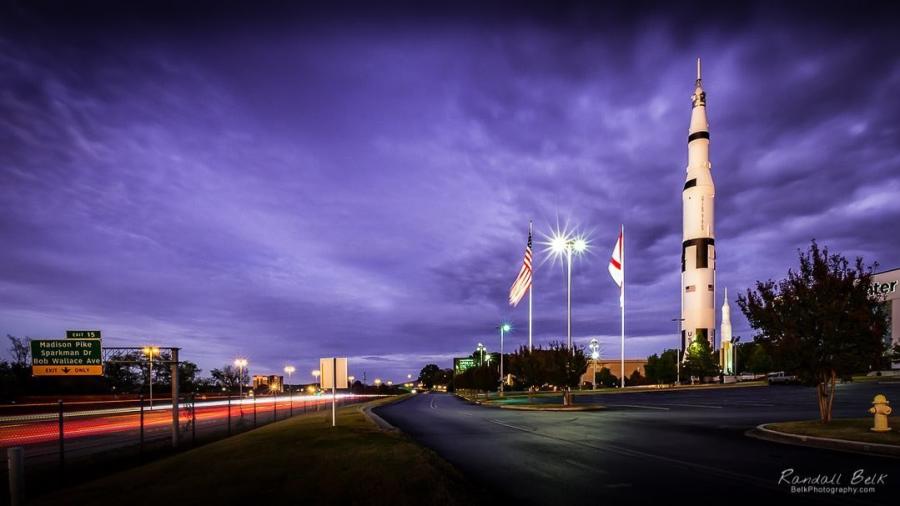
{"type": "Point", "coordinates": [698, 135]}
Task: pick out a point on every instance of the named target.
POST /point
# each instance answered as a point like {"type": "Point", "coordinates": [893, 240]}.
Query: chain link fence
{"type": "Point", "coordinates": [69, 441]}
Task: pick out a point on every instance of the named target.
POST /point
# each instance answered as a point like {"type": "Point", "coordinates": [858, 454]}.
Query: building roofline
{"type": "Point", "coordinates": [887, 271]}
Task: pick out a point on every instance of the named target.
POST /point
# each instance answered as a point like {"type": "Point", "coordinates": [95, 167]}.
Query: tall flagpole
{"type": "Point", "coordinates": [530, 286]}
{"type": "Point", "coordinates": [622, 304]}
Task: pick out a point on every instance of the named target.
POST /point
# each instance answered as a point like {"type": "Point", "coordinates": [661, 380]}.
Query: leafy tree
{"type": "Point", "coordinates": [821, 322]}
{"type": "Point", "coordinates": [700, 360]}
{"type": "Point", "coordinates": [429, 375]}
{"type": "Point", "coordinates": [606, 378]}
{"type": "Point", "coordinates": [662, 369]}
{"type": "Point", "coordinates": [759, 361]}
{"type": "Point", "coordinates": [228, 377]}
{"type": "Point", "coordinates": [636, 379]}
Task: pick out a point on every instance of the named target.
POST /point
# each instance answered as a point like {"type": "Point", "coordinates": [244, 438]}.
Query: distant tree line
{"type": "Point", "coordinates": [127, 373]}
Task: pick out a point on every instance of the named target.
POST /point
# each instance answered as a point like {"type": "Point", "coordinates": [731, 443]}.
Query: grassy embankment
{"type": "Point", "coordinates": [544, 399]}
{"type": "Point", "coordinates": [849, 429]}
{"type": "Point", "coordinates": [301, 460]}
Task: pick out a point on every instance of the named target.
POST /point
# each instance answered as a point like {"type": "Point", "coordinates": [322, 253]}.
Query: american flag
{"type": "Point", "coordinates": [523, 280]}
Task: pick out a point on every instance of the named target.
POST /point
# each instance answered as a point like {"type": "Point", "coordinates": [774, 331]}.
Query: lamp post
{"type": "Point", "coordinates": [594, 346]}
{"type": "Point", "coordinates": [351, 379]}
{"type": "Point", "coordinates": [504, 328]}
{"type": "Point", "coordinates": [240, 363]}
{"type": "Point", "coordinates": [150, 351]}
{"type": "Point", "coordinates": [316, 373]}
{"type": "Point", "coordinates": [564, 244]}
{"type": "Point", "coordinates": [289, 369]}
{"type": "Point", "coordinates": [678, 352]}
{"type": "Point", "coordinates": [480, 349]}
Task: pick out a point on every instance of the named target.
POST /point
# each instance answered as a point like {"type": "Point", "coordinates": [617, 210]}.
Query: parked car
{"type": "Point", "coordinates": [749, 376]}
{"type": "Point", "coordinates": [782, 378]}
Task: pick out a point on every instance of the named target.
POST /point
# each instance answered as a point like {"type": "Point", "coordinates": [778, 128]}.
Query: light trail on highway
{"type": "Point", "coordinates": [39, 428]}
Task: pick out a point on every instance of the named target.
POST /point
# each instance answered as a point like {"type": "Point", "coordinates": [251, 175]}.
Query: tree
{"type": "Point", "coordinates": [636, 379]}
{"type": "Point", "coordinates": [820, 323]}
{"type": "Point", "coordinates": [700, 360]}
{"type": "Point", "coordinates": [20, 349]}
{"type": "Point", "coordinates": [565, 368]}
{"type": "Point", "coordinates": [429, 375]}
{"type": "Point", "coordinates": [606, 378]}
{"type": "Point", "coordinates": [227, 377]}
{"type": "Point", "coordinates": [662, 369]}
{"type": "Point", "coordinates": [759, 361]}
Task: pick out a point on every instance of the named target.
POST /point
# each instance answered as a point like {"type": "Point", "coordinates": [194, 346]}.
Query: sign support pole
{"type": "Point", "coordinates": [174, 397]}
{"type": "Point", "coordinates": [333, 391]}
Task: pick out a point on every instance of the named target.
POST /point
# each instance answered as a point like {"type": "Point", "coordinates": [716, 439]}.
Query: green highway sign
{"type": "Point", "coordinates": [82, 334]}
{"type": "Point", "coordinates": [66, 357]}
{"type": "Point", "coordinates": [462, 363]}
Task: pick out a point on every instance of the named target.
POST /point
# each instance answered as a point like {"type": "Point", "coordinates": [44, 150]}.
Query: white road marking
{"type": "Point", "coordinates": [692, 405]}
{"type": "Point", "coordinates": [498, 422]}
{"type": "Point", "coordinates": [586, 467]}
{"type": "Point", "coordinates": [640, 406]}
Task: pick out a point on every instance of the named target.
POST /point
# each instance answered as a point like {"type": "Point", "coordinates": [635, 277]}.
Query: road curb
{"type": "Point", "coordinates": [553, 408]}
{"type": "Point", "coordinates": [377, 420]}
{"type": "Point", "coordinates": [764, 433]}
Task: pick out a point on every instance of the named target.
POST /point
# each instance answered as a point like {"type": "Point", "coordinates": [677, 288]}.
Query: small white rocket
{"type": "Point", "coordinates": [726, 354]}
{"type": "Point", "coordinates": [698, 247]}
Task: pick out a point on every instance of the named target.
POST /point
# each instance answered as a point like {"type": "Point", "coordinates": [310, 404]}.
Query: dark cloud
{"type": "Point", "coordinates": [289, 183]}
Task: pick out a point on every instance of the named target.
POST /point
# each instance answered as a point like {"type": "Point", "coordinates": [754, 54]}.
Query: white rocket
{"type": "Point", "coordinates": [726, 354]}
{"type": "Point", "coordinates": [698, 247]}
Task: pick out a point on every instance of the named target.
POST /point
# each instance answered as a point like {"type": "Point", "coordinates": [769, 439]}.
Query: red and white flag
{"type": "Point", "coordinates": [523, 280]}
{"type": "Point", "coordinates": [617, 263]}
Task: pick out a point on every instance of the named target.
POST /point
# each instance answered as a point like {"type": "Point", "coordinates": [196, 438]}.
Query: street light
{"type": "Point", "coordinates": [594, 346]}
{"type": "Point", "coordinates": [377, 382]}
{"type": "Point", "coordinates": [150, 351]}
{"type": "Point", "coordinates": [480, 349]}
{"type": "Point", "coordinates": [316, 373]}
{"type": "Point", "coordinates": [504, 328]}
{"type": "Point", "coordinates": [289, 369]}
{"type": "Point", "coordinates": [564, 244]}
{"type": "Point", "coordinates": [240, 363]}
{"type": "Point", "coordinates": [351, 379]}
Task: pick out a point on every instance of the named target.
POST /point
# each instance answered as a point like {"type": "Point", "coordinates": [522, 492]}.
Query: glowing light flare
{"type": "Point", "coordinates": [561, 242]}
{"type": "Point", "coordinates": [505, 327]}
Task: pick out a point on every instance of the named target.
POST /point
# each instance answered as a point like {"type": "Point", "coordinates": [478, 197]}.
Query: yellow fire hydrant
{"type": "Point", "coordinates": [881, 409]}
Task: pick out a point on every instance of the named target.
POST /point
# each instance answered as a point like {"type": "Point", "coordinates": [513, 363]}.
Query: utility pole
{"type": "Point", "coordinates": [678, 351]}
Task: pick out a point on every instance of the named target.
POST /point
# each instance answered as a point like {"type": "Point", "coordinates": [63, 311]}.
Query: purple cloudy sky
{"type": "Point", "coordinates": [289, 184]}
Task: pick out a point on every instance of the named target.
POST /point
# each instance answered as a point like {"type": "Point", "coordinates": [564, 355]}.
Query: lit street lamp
{"type": "Point", "coordinates": [316, 373]}
{"type": "Point", "coordinates": [377, 382]}
{"type": "Point", "coordinates": [351, 379]}
{"type": "Point", "coordinates": [240, 363]}
{"type": "Point", "coordinates": [480, 349]}
{"type": "Point", "coordinates": [504, 328]}
{"type": "Point", "coordinates": [150, 351]}
{"type": "Point", "coordinates": [594, 346]}
{"type": "Point", "coordinates": [289, 369]}
{"type": "Point", "coordinates": [565, 244]}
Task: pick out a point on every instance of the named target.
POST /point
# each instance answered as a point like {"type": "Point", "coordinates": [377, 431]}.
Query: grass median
{"type": "Point", "coordinates": [847, 429]}
{"type": "Point", "coordinates": [302, 460]}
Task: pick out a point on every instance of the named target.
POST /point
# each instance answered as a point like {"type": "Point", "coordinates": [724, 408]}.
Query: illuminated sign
{"type": "Point", "coordinates": [66, 357]}
{"type": "Point", "coordinates": [82, 334]}
{"type": "Point", "coordinates": [461, 364]}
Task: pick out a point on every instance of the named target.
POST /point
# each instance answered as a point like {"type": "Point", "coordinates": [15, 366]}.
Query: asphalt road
{"type": "Point", "coordinates": [679, 446]}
